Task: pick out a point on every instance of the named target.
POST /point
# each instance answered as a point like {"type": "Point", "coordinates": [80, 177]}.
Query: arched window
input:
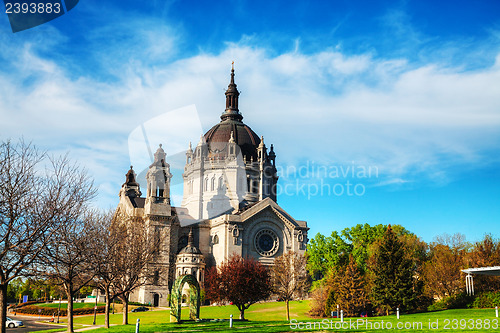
{"type": "Point", "coordinates": [216, 239]}
{"type": "Point", "coordinates": [212, 188]}
{"type": "Point", "coordinates": [221, 183]}
{"type": "Point", "coordinates": [206, 184]}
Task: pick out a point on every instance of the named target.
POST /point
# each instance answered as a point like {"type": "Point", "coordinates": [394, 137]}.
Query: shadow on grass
{"type": "Point", "coordinates": [206, 325]}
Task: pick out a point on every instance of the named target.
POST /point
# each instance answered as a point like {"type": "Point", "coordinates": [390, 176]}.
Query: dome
{"type": "Point", "coordinates": [218, 137]}
{"type": "Point", "coordinates": [190, 249]}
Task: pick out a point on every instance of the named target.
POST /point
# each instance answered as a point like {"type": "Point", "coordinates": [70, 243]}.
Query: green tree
{"type": "Point", "coordinates": [325, 254]}
{"type": "Point", "coordinates": [393, 275]}
{"type": "Point", "coordinates": [331, 302]}
{"type": "Point", "coordinates": [13, 289]}
{"type": "Point", "coordinates": [362, 236]}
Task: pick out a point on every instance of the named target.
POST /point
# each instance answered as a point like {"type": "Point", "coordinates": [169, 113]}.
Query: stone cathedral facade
{"type": "Point", "coordinates": [229, 205]}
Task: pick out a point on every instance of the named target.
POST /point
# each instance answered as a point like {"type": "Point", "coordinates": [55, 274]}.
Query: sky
{"type": "Point", "coordinates": [379, 111]}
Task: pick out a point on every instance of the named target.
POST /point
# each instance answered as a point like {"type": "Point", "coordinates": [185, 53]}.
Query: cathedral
{"type": "Point", "coordinates": [229, 205]}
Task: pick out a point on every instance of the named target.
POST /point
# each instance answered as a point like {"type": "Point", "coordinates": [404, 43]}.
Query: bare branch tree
{"type": "Point", "coordinates": [289, 278]}
{"type": "Point", "coordinates": [132, 247]}
{"type": "Point", "coordinates": [33, 203]}
{"type": "Point", "coordinates": [67, 257]}
{"type": "Point", "coordinates": [105, 245]}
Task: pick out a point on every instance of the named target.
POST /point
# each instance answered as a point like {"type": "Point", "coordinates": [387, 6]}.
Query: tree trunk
{"type": "Point", "coordinates": [106, 310]}
{"type": "Point", "coordinates": [287, 310]}
{"type": "Point", "coordinates": [124, 300]}
{"type": "Point", "coordinates": [242, 313]}
{"type": "Point", "coordinates": [69, 294]}
{"type": "Point", "coordinates": [3, 306]}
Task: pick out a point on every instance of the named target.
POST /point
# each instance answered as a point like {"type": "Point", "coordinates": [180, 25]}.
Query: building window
{"type": "Point", "coordinates": [255, 186]}
{"type": "Point", "coordinates": [213, 184]}
{"type": "Point", "coordinates": [266, 242]}
{"type": "Point", "coordinates": [156, 277]}
{"type": "Point", "coordinates": [215, 240]}
{"type": "Point", "coordinates": [206, 184]}
{"type": "Point", "coordinates": [221, 183]}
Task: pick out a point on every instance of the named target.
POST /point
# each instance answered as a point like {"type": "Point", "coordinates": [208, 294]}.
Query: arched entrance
{"type": "Point", "coordinates": [176, 298]}
{"type": "Point", "coordinates": [156, 300]}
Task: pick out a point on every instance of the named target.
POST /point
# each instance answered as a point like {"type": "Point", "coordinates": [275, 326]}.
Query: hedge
{"type": "Point", "coordinates": [35, 310]}
{"type": "Point", "coordinates": [488, 299]}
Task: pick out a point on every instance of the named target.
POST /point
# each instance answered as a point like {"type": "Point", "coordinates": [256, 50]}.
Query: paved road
{"type": "Point", "coordinates": [30, 325]}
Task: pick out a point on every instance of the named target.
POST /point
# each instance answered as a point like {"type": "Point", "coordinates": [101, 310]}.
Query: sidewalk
{"type": "Point", "coordinates": [87, 328]}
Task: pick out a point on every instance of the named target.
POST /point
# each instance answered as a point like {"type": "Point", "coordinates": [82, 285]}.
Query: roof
{"type": "Point", "coordinates": [492, 271]}
{"type": "Point", "coordinates": [218, 137]}
{"type": "Point", "coordinates": [269, 203]}
{"type": "Point", "coordinates": [137, 202]}
{"type": "Point", "coordinates": [190, 248]}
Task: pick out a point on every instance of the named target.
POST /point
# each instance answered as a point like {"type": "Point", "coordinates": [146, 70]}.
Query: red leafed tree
{"type": "Point", "coordinates": [240, 281]}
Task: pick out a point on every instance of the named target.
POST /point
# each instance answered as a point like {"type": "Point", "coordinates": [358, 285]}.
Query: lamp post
{"type": "Point", "coordinates": [59, 309]}
{"type": "Point", "coordinates": [95, 307]}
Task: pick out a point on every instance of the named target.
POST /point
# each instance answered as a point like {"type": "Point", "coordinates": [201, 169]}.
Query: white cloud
{"type": "Point", "coordinates": [328, 106]}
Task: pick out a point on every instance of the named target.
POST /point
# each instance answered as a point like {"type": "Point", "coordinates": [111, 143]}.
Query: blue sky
{"type": "Point", "coordinates": [407, 88]}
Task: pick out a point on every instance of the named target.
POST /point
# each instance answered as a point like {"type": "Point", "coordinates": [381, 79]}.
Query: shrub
{"type": "Point", "coordinates": [319, 297]}
{"type": "Point", "coordinates": [458, 301]}
{"type": "Point", "coordinates": [488, 299]}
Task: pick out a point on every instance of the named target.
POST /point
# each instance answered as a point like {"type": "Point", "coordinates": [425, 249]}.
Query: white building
{"type": "Point", "coordinates": [229, 205]}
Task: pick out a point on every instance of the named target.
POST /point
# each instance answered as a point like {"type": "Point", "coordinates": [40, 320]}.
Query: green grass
{"type": "Point", "coordinates": [269, 317]}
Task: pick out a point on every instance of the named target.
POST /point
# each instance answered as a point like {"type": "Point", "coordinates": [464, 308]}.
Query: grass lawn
{"type": "Point", "coordinates": [269, 317]}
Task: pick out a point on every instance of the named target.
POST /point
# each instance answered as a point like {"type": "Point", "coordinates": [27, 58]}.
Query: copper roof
{"type": "Point", "coordinates": [218, 136]}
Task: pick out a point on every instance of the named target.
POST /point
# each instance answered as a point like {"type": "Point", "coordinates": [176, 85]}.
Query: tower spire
{"type": "Point", "coordinates": [232, 95]}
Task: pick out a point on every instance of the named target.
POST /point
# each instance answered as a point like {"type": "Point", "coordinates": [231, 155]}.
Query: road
{"type": "Point", "coordinates": [30, 325]}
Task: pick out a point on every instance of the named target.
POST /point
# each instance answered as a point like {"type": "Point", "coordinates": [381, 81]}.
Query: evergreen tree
{"type": "Point", "coordinates": [331, 302]}
{"type": "Point", "coordinates": [393, 278]}
{"type": "Point", "coordinates": [349, 289]}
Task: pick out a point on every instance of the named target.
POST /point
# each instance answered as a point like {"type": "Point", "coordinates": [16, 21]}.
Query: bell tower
{"type": "Point", "coordinates": [158, 186]}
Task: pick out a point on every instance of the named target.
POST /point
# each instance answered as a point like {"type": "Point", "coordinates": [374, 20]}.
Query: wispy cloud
{"type": "Point", "coordinates": [410, 120]}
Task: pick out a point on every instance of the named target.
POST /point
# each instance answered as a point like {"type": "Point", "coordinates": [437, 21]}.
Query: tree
{"type": "Point", "coordinates": [485, 253]}
{"type": "Point", "coordinates": [67, 257]}
{"type": "Point", "coordinates": [442, 275]}
{"type": "Point", "coordinates": [124, 249]}
{"type": "Point", "coordinates": [326, 254]}
{"type": "Point", "coordinates": [36, 192]}
{"type": "Point", "coordinates": [289, 277]}
{"type": "Point", "coordinates": [320, 305]}
{"type": "Point", "coordinates": [131, 246]}
{"type": "Point", "coordinates": [240, 281]}
{"type": "Point", "coordinates": [107, 240]}
{"type": "Point", "coordinates": [392, 270]}
{"type": "Point", "coordinates": [349, 289]}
